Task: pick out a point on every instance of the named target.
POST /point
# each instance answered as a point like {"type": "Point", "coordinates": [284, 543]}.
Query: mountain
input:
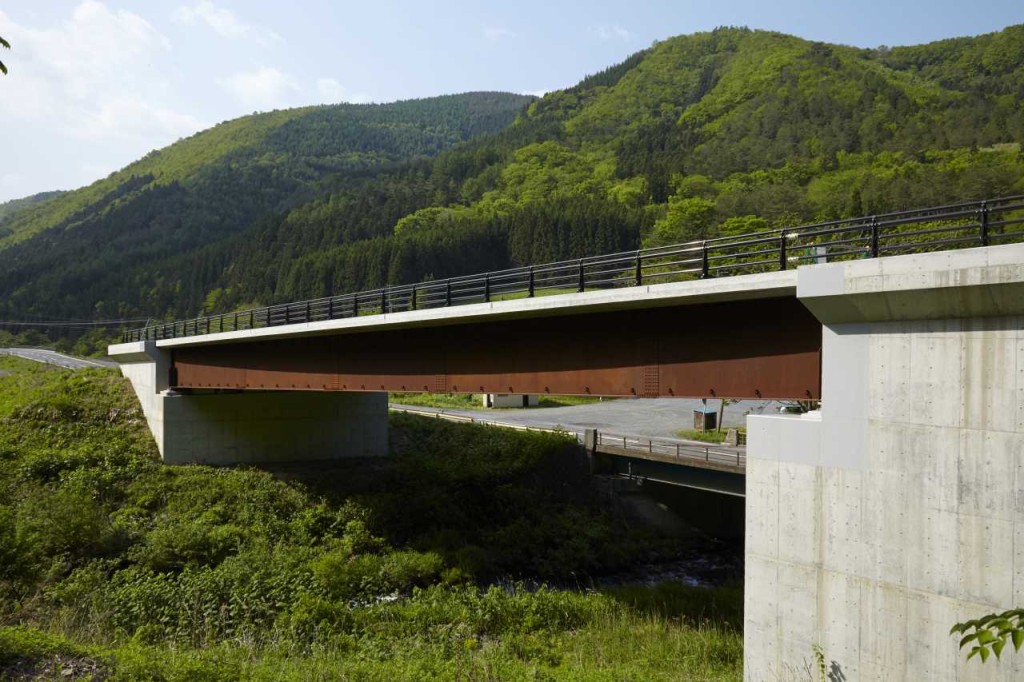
{"type": "Point", "coordinates": [726, 131]}
{"type": "Point", "coordinates": [72, 255]}
{"type": "Point", "coordinates": [9, 208]}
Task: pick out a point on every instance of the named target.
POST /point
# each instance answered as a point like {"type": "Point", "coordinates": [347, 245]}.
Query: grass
{"type": "Point", "coordinates": [702, 436]}
{"type": "Point", "coordinates": [614, 644]}
{"type": "Point", "coordinates": [115, 565]}
{"type": "Point", "coordinates": [444, 401]}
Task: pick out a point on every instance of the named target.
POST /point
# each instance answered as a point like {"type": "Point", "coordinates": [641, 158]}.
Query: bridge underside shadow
{"type": "Point", "coordinates": [680, 474]}
{"type": "Point", "coordinates": [763, 349]}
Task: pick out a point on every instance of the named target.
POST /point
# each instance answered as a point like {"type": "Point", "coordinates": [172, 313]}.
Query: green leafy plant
{"type": "Point", "coordinates": [989, 634]}
{"type": "Point", "coordinates": [819, 659]}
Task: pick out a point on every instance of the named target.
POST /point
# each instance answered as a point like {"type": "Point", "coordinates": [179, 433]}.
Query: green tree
{"type": "Point", "coordinates": [687, 220]}
{"type": "Point", "coordinates": [4, 43]}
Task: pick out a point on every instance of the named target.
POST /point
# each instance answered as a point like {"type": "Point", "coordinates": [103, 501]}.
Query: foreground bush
{"type": "Point", "coordinates": [114, 565]}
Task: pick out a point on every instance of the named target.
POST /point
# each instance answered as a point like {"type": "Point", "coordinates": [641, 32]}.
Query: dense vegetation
{"type": "Point", "coordinates": [728, 131]}
{"type": "Point", "coordinates": [152, 235]}
{"type": "Point", "coordinates": [9, 207]}
{"type": "Point", "coordinates": [113, 564]}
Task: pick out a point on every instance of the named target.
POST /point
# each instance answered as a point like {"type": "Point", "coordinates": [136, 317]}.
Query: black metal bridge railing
{"type": "Point", "coordinates": [980, 223]}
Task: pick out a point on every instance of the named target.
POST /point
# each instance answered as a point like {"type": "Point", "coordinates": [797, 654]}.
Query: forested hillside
{"type": "Point", "coordinates": [721, 132]}
{"type": "Point", "coordinates": [159, 225]}
{"type": "Point", "coordinates": [9, 208]}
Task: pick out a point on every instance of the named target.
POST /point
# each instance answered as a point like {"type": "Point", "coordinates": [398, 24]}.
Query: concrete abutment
{"type": "Point", "coordinates": [897, 510]}
{"type": "Point", "coordinates": [251, 426]}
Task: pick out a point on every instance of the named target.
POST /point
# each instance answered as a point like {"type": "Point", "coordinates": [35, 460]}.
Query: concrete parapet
{"type": "Point", "coordinates": [897, 510]}
{"type": "Point", "coordinates": [695, 292]}
{"type": "Point", "coordinates": [220, 427]}
{"type": "Point", "coordinates": [970, 283]}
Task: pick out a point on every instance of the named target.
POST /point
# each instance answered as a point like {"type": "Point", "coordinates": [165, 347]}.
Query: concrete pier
{"type": "Point", "coordinates": [896, 511]}
{"type": "Point", "coordinates": [239, 427]}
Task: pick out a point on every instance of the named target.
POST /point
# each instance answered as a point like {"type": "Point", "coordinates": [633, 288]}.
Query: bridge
{"type": "Point", "coordinates": [872, 525]}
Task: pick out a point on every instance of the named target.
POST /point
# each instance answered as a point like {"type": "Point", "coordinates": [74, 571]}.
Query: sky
{"type": "Point", "coordinates": [95, 84]}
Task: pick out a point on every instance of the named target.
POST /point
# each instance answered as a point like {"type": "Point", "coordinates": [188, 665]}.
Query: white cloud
{"type": "Point", "coordinates": [496, 33]}
{"type": "Point", "coordinates": [331, 92]}
{"type": "Point", "coordinates": [90, 86]}
{"type": "Point", "coordinates": [610, 31]}
{"type": "Point", "coordinates": [72, 77]}
{"type": "Point", "coordinates": [133, 118]}
{"type": "Point", "coordinates": [224, 22]}
{"type": "Point", "coordinates": [264, 88]}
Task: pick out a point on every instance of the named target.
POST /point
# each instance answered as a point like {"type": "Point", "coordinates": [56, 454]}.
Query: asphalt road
{"type": "Point", "coordinates": [657, 418]}
{"type": "Point", "coordinates": [51, 357]}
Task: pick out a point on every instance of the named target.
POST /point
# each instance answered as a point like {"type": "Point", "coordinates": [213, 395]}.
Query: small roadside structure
{"type": "Point", "coordinates": [509, 400]}
{"type": "Point", "coordinates": [705, 419]}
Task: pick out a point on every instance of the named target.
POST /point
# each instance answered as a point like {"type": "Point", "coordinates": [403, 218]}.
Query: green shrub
{"type": "Point", "coordinates": [68, 521]}
{"type": "Point", "coordinates": [347, 572]}
{"type": "Point", "coordinates": [369, 576]}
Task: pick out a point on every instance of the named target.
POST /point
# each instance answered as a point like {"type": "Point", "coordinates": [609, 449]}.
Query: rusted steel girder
{"type": "Point", "coordinates": [768, 349]}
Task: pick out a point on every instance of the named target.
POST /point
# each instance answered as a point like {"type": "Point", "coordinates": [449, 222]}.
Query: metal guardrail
{"type": "Point", "coordinates": [980, 223]}
{"type": "Point", "coordinates": [684, 452]}
{"type": "Point", "coordinates": [633, 446]}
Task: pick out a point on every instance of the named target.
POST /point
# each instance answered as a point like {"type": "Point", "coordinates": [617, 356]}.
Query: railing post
{"type": "Point", "coordinates": [580, 287]}
{"type": "Point", "coordinates": [355, 305]}
{"type": "Point", "coordinates": [287, 313]}
{"type": "Point", "coordinates": [330, 308]}
{"type": "Point", "coordinates": [705, 270]}
{"type": "Point", "coordinates": [412, 299]}
{"type": "Point", "coordinates": [530, 285]}
{"type": "Point", "coordinates": [252, 319]}
{"type": "Point", "coordinates": [222, 324]}
{"type": "Point", "coordinates": [383, 300]}
{"type": "Point", "coordinates": [639, 276]}
{"type": "Point", "coordinates": [448, 292]}
{"type": "Point", "coordinates": [984, 223]}
{"type": "Point", "coordinates": [874, 237]}
{"type": "Point", "coordinates": [236, 321]}
{"type": "Point", "coordinates": [782, 249]}
{"type": "Point", "coordinates": [309, 312]}
{"type": "Point", "coordinates": [487, 288]}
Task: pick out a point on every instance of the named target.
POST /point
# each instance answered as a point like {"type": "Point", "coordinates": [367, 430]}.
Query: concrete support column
{"type": "Point", "coordinates": [876, 524]}
{"type": "Point", "coordinates": [251, 426]}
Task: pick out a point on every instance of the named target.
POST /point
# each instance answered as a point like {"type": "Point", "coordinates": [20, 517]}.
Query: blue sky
{"type": "Point", "coordinates": [95, 84]}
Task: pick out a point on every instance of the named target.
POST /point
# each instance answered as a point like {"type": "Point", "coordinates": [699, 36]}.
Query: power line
{"type": "Point", "coordinates": [69, 324]}
{"type": "Point", "coordinates": [36, 317]}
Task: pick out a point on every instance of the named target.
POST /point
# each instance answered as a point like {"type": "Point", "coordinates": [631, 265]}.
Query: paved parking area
{"type": "Point", "coordinates": [646, 417]}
